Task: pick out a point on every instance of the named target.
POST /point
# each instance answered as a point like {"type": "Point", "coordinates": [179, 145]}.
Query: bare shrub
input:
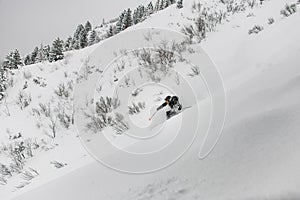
{"type": "Point", "coordinates": [289, 9]}
{"type": "Point", "coordinates": [62, 91]}
{"type": "Point", "coordinates": [86, 71]}
{"type": "Point", "coordinates": [3, 180]}
{"type": "Point", "coordinates": [4, 170]}
{"type": "Point", "coordinates": [256, 29]}
{"type": "Point", "coordinates": [107, 104]}
{"type": "Point", "coordinates": [57, 164]}
{"type": "Point", "coordinates": [23, 100]}
{"type": "Point", "coordinates": [271, 21]}
{"type": "Point", "coordinates": [119, 124]}
{"type": "Point", "coordinates": [100, 118]}
{"type": "Point", "coordinates": [22, 185]}
{"type": "Point", "coordinates": [156, 63]}
{"type": "Point", "coordinates": [136, 108]}
{"type": "Point", "coordinates": [136, 92]}
{"type": "Point", "coordinates": [195, 71]}
{"type": "Point", "coordinates": [29, 174]}
{"type": "Point", "coordinates": [46, 111]}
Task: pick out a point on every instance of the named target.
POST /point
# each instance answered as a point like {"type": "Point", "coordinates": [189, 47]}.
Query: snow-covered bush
{"type": "Point", "coordinates": [107, 105]}
{"type": "Point", "coordinates": [119, 124]}
{"type": "Point", "coordinates": [251, 3]}
{"type": "Point", "coordinates": [100, 117]}
{"type": "Point", "coordinates": [86, 70]}
{"type": "Point", "coordinates": [4, 170]}
{"type": "Point", "coordinates": [136, 108]}
{"type": "Point", "coordinates": [23, 100]}
{"type": "Point", "coordinates": [136, 92]}
{"type": "Point", "coordinates": [65, 113]}
{"type": "Point", "coordinates": [62, 91]}
{"type": "Point", "coordinates": [289, 9]}
{"type": "Point", "coordinates": [29, 174]}
{"type": "Point", "coordinates": [45, 113]}
{"type": "Point", "coordinates": [57, 164]}
{"type": "Point", "coordinates": [3, 180]}
{"type": "Point", "coordinates": [40, 81]}
{"type": "Point", "coordinates": [156, 63]}
{"type": "Point", "coordinates": [256, 29]}
{"type": "Point", "coordinates": [271, 21]}
{"type": "Point", "coordinates": [195, 71]}
{"type": "Point", "coordinates": [22, 184]}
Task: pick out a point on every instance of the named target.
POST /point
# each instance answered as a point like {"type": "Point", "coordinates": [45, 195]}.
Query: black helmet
{"type": "Point", "coordinates": [168, 98]}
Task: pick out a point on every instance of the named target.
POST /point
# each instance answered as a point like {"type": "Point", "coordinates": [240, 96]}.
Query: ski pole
{"type": "Point", "coordinates": [152, 115]}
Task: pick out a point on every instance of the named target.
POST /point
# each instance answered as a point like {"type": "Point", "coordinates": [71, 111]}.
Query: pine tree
{"type": "Point", "coordinates": [180, 4]}
{"type": "Point", "coordinates": [83, 39]}
{"type": "Point", "coordinates": [68, 44]}
{"type": "Point", "coordinates": [41, 54]}
{"type": "Point", "coordinates": [141, 13]}
{"type": "Point", "coordinates": [77, 36]}
{"type": "Point", "coordinates": [47, 50]}
{"type": "Point", "coordinates": [150, 8]}
{"type": "Point", "coordinates": [56, 52]}
{"type": "Point", "coordinates": [167, 3]}
{"type": "Point", "coordinates": [93, 38]}
{"type": "Point", "coordinates": [17, 60]}
{"type": "Point", "coordinates": [120, 22]}
{"type": "Point", "coordinates": [162, 5]}
{"type": "Point", "coordinates": [135, 17]}
{"type": "Point", "coordinates": [88, 26]}
{"type": "Point", "coordinates": [127, 20]}
{"type": "Point", "coordinates": [111, 31]}
{"type": "Point", "coordinates": [157, 5]}
{"type": "Point", "coordinates": [34, 55]}
{"type": "Point", "coordinates": [27, 60]}
{"type": "Point", "coordinates": [3, 80]}
{"type": "Point", "coordinates": [8, 62]}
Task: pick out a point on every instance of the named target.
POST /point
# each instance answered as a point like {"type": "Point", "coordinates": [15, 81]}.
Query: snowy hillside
{"type": "Point", "coordinates": [84, 120]}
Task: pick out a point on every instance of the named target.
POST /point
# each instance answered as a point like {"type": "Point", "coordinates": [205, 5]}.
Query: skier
{"type": "Point", "coordinates": [174, 104]}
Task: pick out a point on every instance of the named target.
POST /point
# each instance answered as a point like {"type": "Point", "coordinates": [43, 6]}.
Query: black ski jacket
{"type": "Point", "coordinates": [174, 101]}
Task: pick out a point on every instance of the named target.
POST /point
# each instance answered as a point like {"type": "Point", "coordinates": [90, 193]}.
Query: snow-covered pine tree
{"type": "Point", "coordinates": [41, 56]}
{"type": "Point", "coordinates": [34, 55]}
{"type": "Point", "coordinates": [119, 24]}
{"type": "Point", "coordinates": [93, 37]}
{"type": "Point", "coordinates": [135, 19]}
{"type": "Point", "coordinates": [68, 44]}
{"type": "Point", "coordinates": [111, 31]}
{"type": "Point", "coordinates": [47, 51]}
{"type": "Point", "coordinates": [180, 4]}
{"type": "Point", "coordinates": [157, 5]}
{"type": "Point", "coordinates": [167, 3]}
{"type": "Point", "coordinates": [127, 20]}
{"type": "Point", "coordinates": [3, 80]}
{"type": "Point", "coordinates": [56, 52]}
{"type": "Point", "coordinates": [76, 37]}
{"type": "Point", "coordinates": [141, 13]}
{"type": "Point", "coordinates": [150, 8]}
{"type": "Point", "coordinates": [17, 60]}
{"type": "Point", "coordinates": [7, 64]}
{"type": "Point", "coordinates": [162, 4]}
{"type": "Point", "coordinates": [27, 60]}
{"type": "Point", "coordinates": [83, 40]}
{"type": "Point", "coordinates": [88, 26]}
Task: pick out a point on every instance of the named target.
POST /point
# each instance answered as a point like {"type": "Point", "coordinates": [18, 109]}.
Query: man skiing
{"type": "Point", "coordinates": [174, 104]}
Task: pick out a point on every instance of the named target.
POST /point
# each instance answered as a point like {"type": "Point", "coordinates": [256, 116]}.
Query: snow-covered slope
{"type": "Point", "coordinates": [257, 154]}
